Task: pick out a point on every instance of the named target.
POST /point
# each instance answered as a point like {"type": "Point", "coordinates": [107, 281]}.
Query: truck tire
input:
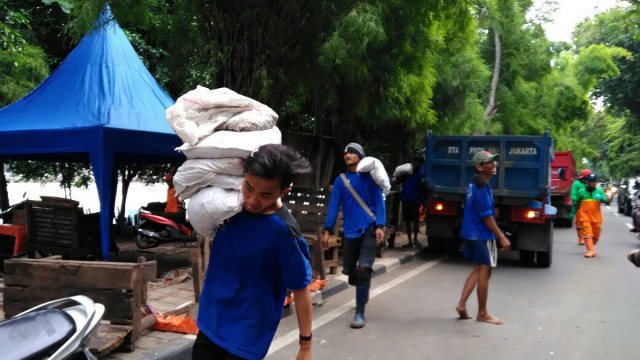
{"type": "Point", "coordinates": [569, 223]}
{"type": "Point", "coordinates": [543, 258]}
{"type": "Point", "coordinates": [452, 246]}
{"type": "Point", "coordinates": [527, 257]}
{"type": "Point", "coordinates": [436, 244]}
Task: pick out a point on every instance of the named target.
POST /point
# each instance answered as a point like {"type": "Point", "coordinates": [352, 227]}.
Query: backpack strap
{"type": "Point", "coordinates": [357, 197]}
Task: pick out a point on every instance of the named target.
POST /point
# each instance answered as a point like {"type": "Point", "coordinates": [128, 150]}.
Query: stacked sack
{"type": "Point", "coordinates": [219, 129]}
{"type": "Point", "coordinates": [376, 169]}
{"type": "Point", "coordinates": [402, 170]}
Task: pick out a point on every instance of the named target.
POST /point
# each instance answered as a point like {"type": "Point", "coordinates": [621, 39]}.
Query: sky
{"type": "Point", "coordinates": [570, 13]}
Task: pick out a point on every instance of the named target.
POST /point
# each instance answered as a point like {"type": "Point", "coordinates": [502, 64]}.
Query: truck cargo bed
{"type": "Point", "coordinates": [523, 170]}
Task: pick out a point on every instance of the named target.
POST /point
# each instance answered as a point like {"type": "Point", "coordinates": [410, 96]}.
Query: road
{"type": "Point", "coordinates": [576, 309]}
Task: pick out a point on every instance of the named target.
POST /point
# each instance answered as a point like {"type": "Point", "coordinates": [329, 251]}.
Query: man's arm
{"type": "Point", "coordinates": [502, 238]}
{"type": "Point", "coordinates": [601, 196]}
{"type": "Point", "coordinates": [302, 298]}
{"type": "Point", "coordinates": [332, 212]}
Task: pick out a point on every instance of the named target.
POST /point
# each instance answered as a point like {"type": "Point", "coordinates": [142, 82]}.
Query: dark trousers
{"type": "Point", "coordinates": [205, 349]}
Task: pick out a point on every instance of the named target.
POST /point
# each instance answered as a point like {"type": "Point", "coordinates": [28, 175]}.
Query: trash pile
{"type": "Point", "coordinates": [219, 129]}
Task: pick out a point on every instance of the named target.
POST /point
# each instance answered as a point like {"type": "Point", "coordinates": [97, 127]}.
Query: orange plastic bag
{"type": "Point", "coordinates": [178, 324]}
{"type": "Point", "coordinates": [423, 213]}
{"type": "Point", "coordinates": [315, 285]}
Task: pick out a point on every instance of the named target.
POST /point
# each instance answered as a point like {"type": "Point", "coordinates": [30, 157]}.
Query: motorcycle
{"type": "Point", "coordinates": [155, 229]}
{"type": "Point", "coordinates": [56, 330]}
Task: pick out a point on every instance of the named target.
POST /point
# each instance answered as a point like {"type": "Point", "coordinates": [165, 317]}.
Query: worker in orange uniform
{"type": "Point", "coordinates": [575, 187]}
{"type": "Point", "coordinates": [173, 204]}
{"type": "Point", "coordinates": [589, 215]}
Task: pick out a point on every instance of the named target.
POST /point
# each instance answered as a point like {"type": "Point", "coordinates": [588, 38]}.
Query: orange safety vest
{"type": "Point", "coordinates": [173, 205]}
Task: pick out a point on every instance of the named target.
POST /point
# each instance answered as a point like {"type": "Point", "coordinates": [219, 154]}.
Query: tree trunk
{"type": "Point", "coordinates": [4, 194]}
{"type": "Point", "coordinates": [491, 107]}
{"type": "Point", "coordinates": [128, 174]}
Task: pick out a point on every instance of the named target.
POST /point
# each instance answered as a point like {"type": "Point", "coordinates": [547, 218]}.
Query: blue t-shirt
{"type": "Point", "coordinates": [254, 260]}
{"type": "Point", "coordinates": [412, 189]}
{"type": "Point", "coordinates": [356, 219]}
{"type": "Point", "coordinates": [477, 206]}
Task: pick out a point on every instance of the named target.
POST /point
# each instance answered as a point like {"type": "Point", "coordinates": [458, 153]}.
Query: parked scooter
{"type": "Point", "coordinates": [155, 229]}
{"type": "Point", "coordinates": [56, 330]}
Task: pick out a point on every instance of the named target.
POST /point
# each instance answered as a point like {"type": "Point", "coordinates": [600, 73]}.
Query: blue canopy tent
{"type": "Point", "coordinates": [101, 105]}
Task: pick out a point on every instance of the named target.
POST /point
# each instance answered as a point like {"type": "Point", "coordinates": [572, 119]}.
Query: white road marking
{"type": "Point", "coordinates": [292, 336]}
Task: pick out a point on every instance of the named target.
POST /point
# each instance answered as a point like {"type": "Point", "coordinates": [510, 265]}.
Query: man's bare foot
{"type": "Point", "coordinates": [490, 319]}
{"type": "Point", "coordinates": [462, 314]}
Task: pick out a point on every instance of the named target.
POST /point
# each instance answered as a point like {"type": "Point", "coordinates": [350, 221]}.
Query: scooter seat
{"type": "Point", "coordinates": [35, 335]}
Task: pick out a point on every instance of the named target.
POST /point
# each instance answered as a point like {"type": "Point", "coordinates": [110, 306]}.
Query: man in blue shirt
{"type": "Point", "coordinates": [412, 195]}
{"type": "Point", "coordinates": [363, 225]}
{"type": "Point", "coordinates": [479, 232]}
{"type": "Point", "coordinates": [256, 255]}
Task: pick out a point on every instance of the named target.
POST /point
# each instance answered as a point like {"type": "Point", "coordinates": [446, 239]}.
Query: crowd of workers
{"type": "Point", "coordinates": [258, 254]}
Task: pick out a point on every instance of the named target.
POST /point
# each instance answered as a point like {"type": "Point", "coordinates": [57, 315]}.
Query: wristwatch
{"type": "Point", "coordinates": [306, 338]}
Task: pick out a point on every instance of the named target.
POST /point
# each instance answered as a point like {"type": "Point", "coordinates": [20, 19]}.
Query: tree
{"type": "Point", "coordinates": [604, 37]}
{"type": "Point", "coordinates": [22, 66]}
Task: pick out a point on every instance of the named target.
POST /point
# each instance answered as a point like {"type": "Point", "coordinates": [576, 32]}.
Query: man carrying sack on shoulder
{"type": "Point", "coordinates": [364, 220]}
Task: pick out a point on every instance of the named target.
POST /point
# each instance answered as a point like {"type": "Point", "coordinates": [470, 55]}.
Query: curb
{"type": "Point", "coordinates": [381, 266]}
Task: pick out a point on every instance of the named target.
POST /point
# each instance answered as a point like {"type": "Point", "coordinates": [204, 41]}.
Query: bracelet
{"type": "Point", "coordinates": [306, 338]}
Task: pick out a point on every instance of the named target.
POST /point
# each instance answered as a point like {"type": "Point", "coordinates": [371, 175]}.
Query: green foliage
{"type": "Point", "coordinates": [12, 23]}
{"type": "Point", "coordinates": [69, 175]}
{"type": "Point", "coordinates": [623, 149]}
{"type": "Point", "coordinates": [378, 72]}
{"type": "Point", "coordinates": [20, 72]}
{"type": "Point", "coordinates": [609, 49]}
{"type": "Point", "coordinates": [597, 62]}
{"type": "Point", "coordinates": [345, 53]}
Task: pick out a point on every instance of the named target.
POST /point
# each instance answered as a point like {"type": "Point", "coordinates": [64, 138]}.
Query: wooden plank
{"type": "Point", "coordinates": [80, 276]}
{"type": "Point", "coordinates": [309, 207]}
{"type": "Point", "coordinates": [119, 306]}
{"type": "Point", "coordinates": [197, 272]}
{"type": "Point", "coordinates": [149, 269]}
{"type": "Point", "coordinates": [84, 274]}
{"type": "Point", "coordinates": [107, 338]}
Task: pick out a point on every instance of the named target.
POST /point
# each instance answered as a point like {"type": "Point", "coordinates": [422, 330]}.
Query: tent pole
{"type": "Point", "coordinates": [102, 165]}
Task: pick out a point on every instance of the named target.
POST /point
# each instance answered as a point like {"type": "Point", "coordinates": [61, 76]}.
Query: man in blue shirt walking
{"type": "Point", "coordinates": [256, 255]}
{"type": "Point", "coordinates": [364, 221]}
{"type": "Point", "coordinates": [479, 232]}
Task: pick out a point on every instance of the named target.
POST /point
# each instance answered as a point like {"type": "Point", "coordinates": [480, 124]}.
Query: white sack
{"type": "Point", "coordinates": [196, 174]}
{"type": "Point", "coordinates": [210, 206]}
{"type": "Point", "coordinates": [226, 144]}
{"type": "Point", "coordinates": [201, 111]}
{"type": "Point", "coordinates": [378, 173]}
{"type": "Point", "coordinates": [228, 182]}
{"type": "Point", "coordinates": [404, 169]}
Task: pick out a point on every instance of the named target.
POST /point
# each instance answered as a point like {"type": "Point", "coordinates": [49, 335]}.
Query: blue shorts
{"type": "Point", "coordinates": [482, 252]}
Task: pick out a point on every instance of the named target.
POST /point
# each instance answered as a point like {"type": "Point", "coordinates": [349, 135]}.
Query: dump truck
{"type": "Point", "coordinates": [563, 174]}
{"type": "Point", "coordinates": [521, 191]}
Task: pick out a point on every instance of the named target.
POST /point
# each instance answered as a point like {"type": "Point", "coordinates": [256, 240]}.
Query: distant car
{"type": "Point", "coordinates": [628, 187]}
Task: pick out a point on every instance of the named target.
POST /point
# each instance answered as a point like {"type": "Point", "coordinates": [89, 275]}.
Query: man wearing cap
{"type": "Point", "coordinates": [479, 231]}
{"type": "Point", "coordinates": [575, 187]}
{"type": "Point", "coordinates": [364, 215]}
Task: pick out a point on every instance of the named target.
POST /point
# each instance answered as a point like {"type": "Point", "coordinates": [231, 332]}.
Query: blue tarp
{"type": "Point", "coordinates": [100, 105]}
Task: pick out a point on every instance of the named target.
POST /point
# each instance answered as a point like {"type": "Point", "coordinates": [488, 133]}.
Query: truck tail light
{"type": "Point", "coordinates": [520, 214]}
{"type": "Point", "coordinates": [438, 207]}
